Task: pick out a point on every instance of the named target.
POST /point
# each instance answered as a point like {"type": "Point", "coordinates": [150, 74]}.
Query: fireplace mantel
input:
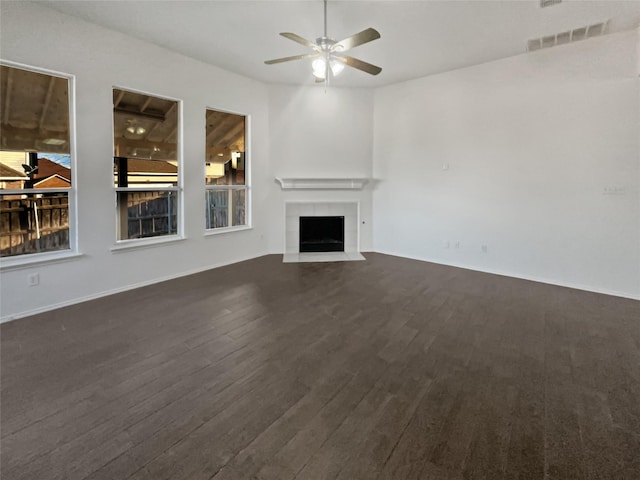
{"type": "Point", "coordinates": [322, 183]}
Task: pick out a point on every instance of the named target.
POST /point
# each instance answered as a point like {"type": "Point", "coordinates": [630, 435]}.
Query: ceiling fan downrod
{"type": "Point", "coordinates": [325, 18]}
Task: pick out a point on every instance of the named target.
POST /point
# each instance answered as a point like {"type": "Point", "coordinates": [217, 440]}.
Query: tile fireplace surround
{"type": "Point", "coordinates": [295, 210]}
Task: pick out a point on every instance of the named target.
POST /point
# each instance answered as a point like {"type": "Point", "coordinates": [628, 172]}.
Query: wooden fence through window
{"type": "Point", "coordinates": [38, 223]}
{"type": "Point", "coordinates": [150, 214]}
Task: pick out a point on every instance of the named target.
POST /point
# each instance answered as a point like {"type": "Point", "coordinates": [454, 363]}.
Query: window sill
{"type": "Point", "coordinates": [29, 260]}
{"type": "Point", "coordinates": [218, 231]}
{"type": "Point", "coordinates": [126, 245]}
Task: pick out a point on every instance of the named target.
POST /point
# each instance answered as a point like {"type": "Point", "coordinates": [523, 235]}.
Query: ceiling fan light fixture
{"type": "Point", "coordinates": [135, 130]}
{"type": "Point", "coordinates": [319, 67]}
{"type": "Point", "coordinates": [336, 67]}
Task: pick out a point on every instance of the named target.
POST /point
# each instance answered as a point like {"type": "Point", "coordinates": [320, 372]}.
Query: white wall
{"type": "Point", "coordinates": [533, 145]}
{"type": "Point", "coordinates": [320, 134]}
{"type": "Point", "coordinates": [100, 59]}
{"type": "Point", "coordinates": [638, 50]}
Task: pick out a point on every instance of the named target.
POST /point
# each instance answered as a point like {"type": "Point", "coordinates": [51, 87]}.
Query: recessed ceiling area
{"type": "Point", "coordinates": [418, 38]}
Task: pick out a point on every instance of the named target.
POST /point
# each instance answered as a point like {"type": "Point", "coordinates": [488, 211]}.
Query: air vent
{"type": "Point", "coordinates": [548, 3]}
{"type": "Point", "coordinates": [561, 38]}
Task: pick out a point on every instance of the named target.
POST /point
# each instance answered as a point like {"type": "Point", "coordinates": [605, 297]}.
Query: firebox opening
{"type": "Point", "coordinates": [322, 234]}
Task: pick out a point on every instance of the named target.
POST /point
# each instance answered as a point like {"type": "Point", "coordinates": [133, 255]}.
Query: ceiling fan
{"type": "Point", "coordinates": [329, 58]}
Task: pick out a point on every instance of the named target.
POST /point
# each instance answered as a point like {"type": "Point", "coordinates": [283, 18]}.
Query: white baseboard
{"type": "Point", "coordinates": [586, 288]}
{"type": "Point", "coordinates": [105, 293]}
{"type": "Point", "coordinates": [124, 288]}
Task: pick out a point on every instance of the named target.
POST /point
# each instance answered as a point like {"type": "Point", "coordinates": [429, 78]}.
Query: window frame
{"type": "Point", "coordinates": [28, 259]}
{"type": "Point", "coordinates": [247, 178]}
{"type": "Point", "coordinates": [127, 243]}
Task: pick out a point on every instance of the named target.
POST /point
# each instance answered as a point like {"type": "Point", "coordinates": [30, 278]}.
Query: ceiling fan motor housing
{"type": "Point", "coordinates": [325, 43]}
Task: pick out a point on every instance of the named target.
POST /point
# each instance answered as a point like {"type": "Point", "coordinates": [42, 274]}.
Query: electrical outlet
{"type": "Point", "coordinates": [33, 279]}
{"type": "Point", "coordinates": [484, 249]}
{"type": "Point", "coordinates": [458, 244]}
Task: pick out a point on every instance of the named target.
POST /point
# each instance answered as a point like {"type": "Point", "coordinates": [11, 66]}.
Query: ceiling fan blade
{"type": "Point", "coordinates": [289, 59]}
{"type": "Point", "coordinates": [300, 40]}
{"type": "Point", "coordinates": [359, 64]}
{"type": "Point", "coordinates": [364, 36]}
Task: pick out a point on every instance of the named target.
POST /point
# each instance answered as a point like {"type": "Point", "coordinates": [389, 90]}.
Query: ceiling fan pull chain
{"type": "Point", "coordinates": [327, 65]}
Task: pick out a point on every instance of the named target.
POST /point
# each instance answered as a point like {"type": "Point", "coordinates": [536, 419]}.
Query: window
{"type": "Point", "coordinates": [145, 165]}
{"type": "Point", "coordinates": [37, 195]}
{"type": "Point", "coordinates": [225, 170]}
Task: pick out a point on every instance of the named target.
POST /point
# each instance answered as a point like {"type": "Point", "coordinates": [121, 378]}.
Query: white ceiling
{"type": "Point", "coordinates": [419, 38]}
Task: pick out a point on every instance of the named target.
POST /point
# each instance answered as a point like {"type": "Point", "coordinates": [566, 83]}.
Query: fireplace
{"type": "Point", "coordinates": [322, 234]}
{"type": "Point", "coordinates": [294, 211]}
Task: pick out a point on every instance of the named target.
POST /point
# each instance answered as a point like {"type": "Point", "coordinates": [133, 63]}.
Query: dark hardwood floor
{"type": "Point", "coordinates": [384, 369]}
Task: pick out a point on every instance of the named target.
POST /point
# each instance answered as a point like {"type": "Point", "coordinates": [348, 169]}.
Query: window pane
{"type": "Point", "coordinates": [145, 127]}
{"type": "Point", "coordinates": [34, 223]}
{"type": "Point", "coordinates": [239, 207]}
{"type": "Point", "coordinates": [147, 214]}
{"type": "Point", "coordinates": [225, 164]}
{"type": "Point", "coordinates": [35, 154]}
{"type": "Point", "coordinates": [145, 164]}
{"type": "Point", "coordinates": [217, 208]}
{"type": "Point", "coordinates": [226, 208]}
{"type": "Point", "coordinates": [35, 112]}
{"type": "Point", "coordinates": [225, 156]}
